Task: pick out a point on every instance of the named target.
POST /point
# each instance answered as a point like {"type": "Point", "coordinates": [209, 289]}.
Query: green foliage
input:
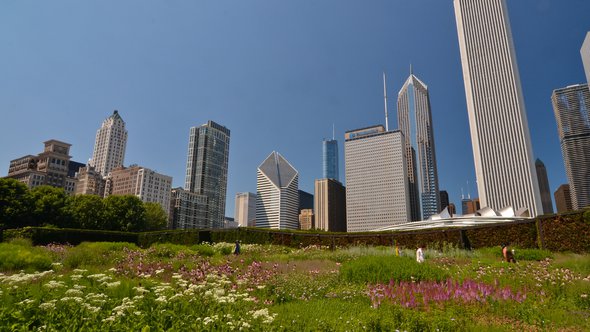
{"type": "Point", "coordinates": [15, 204]}
{"type": "Point", "coordinates": [21, 255]}
{"type": "Point", "coordinates": [156, 218]}
{"type": "Point", "coordinates": [86, 211]}
{"type": "Point", "coordinates": [205, 250]}
{"type": "Point", "coordinates": [46, 235]}
{"type": "Point", "coordinates": [532, 254]}
{"type": "Point", "coordinates": [125, 213]}
{"type": "Point", "coordinates": [95, 254]}
{"type": "Point", "coordinates": [382, 269]}
{"type": "Point", "coordinates": [49, 206]}
{"type": "Point", "coordinates": [566, 233]}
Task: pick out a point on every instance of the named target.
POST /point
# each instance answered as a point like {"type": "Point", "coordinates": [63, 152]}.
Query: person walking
{"type": "Point", "coordinates": [237, 249]}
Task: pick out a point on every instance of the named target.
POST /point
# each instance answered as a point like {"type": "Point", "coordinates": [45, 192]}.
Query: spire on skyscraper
{"type": "Point", "coordinates": [385, 99]}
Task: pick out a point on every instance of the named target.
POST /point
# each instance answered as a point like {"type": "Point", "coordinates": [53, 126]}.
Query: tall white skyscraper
{"type": "Point", "coordinates": [504, 164]}
{"type": "Point", "coordinates": [377, 193]}
{"type": "Point", "coordinates": [245, 210]}
{"type": "Point", "coordinates": [415, 121]}
{"type": "Point", "coordinates": [109, 146]}
{"type": "Point", "coordinates": [206, 169]}
{"type": "Point", "coordinates": [277, 197]}
{"type": "Point", "coordinates": [585, 52]}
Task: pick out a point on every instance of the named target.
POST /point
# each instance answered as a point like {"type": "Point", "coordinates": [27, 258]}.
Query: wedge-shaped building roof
{"type": "Point", "coordinates": [278, 170]}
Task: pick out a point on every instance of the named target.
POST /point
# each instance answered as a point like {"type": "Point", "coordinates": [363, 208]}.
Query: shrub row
{"type": "Point", "coordinates": [568, 232]}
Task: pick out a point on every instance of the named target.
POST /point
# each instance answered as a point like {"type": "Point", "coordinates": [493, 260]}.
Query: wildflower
{"type": "Point", "coordinates": [74, 292]}
{"type": "Point", "coordinates": [114, 284]}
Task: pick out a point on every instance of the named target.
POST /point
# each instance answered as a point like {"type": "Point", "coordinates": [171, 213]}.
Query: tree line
{"type": "Point", "coordinates": [50, 206]}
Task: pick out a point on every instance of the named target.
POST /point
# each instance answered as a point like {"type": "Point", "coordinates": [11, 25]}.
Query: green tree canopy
{"type": "Point", "coordinates": [124, 213]}
{"type": "Point", "coordinates": [49, 206]}
{"type": "Point", "coordinates": [156, 217]}
{"type": "Point", "coordinates": [15, 204]}
{"type": "Point", "coordinates": [86, 211]}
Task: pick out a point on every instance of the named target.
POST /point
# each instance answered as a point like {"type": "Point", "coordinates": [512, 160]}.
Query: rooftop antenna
{"type": "Point", "coordinates": [333, 132]}
{"type": "Point", "coordinates": [462, 195]}
{"type": "Point", "coordinates": [385, 99]}
{"type": "Point", "coordinates": [468, 190]}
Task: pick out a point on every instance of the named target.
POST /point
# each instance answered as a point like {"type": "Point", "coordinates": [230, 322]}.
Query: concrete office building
{"type": "Point", "coordinates": [277, 197]}
{"type": "Point", "coordinates": [206, 168]}
{"type": "Point", "coordinates": [306, 219]}
{"type": "Point", "coordinates": [563, 199]}
{"type": "Point", "coordinates": [142, 182]}
{"type": "Point", "coordinates": [187, 210]}
{"type": "Point", "coordinates": [245, 209]}
{"type": "Point", "coordinates": [330, 205]}
{"type": "Point", "coordinates": [52, 167]}
{"type": "Point", "coordinates": [585, 52]}
{"type": "Point", "coordinates": [502, 150]}
{"type": "Point", "coordinates": [544, 189]}
{"type": "Point", "coordinates": [572, 106]}
{"type": "Point", "coordinates": [110, 144]}
{"type": "Point", "coordinates": [376, 179]}
{"type": "Point", "coordinates": [330, 159]}
{"type": "Point", "coordinates": [415, 121]}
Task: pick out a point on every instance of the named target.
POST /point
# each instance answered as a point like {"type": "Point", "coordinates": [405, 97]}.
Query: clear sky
{"type": "Point", "coordinates": [278, 74]}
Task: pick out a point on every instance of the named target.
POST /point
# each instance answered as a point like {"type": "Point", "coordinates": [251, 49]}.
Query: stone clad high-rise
{"type": "Point", "coordinates": [415, 121]}
{"type": "Point", "coordinates": [110, 144]}
{"type": "Point", "coordinates": [206, 170]}
{"type": "Point", "coordinates": [502, 150]}
{"type": "Point", "coordinates": [376, 179]}
{"type": "Point", "coordinates": [277, 196]}
{"type": "Point", "coordinates": [572, 112]}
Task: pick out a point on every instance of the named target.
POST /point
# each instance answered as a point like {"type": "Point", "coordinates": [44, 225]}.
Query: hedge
{"type": "Point", "coordinates": [566, 232]}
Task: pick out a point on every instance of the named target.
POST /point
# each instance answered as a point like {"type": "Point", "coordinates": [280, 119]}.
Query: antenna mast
{"type": "Point", "coordinates": [385, 100]}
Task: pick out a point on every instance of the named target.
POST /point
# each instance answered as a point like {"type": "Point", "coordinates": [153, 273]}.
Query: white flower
{"type": "Point", "coordinates": [113, 284]}
{"type": "Point", "coordinates": [74, 292]}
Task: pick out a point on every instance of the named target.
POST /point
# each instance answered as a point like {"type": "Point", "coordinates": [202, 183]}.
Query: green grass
{"type": "Point", "coordinates": [21, 255]}
{"type": "Point", "coordinates": [382, 269]}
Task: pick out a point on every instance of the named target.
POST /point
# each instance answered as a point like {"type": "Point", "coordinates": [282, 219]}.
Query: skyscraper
{"type": "Point", "coordinates": [585, 52]}
{"type": "Point", "coordinates": [376, 179]}
{"type": "Point", "coordinates": [330, 205]}
{"type": "Point", "coordinates": [245, 210]}
{"type": "Point", "coordinates": [277, 197]}
{"type": "Point", "coordinates": [206, 168]}
{"type": "Point", "coordinates": [544, 187]}
{"type": "Point", "coordinates": [572, 106]}
{"type": "Point", "coordinates": [502, 150]}
{"type": "Point", "coordinates": [330, 159]}
{"type": "Point", "coordinates": [415, 121]}
{"type": "Point", "coordinates": [563, 198]}
{"type": "Point", "coordinates": [110, 144]}
{"type": "Point", "coordinates": [444, 199]}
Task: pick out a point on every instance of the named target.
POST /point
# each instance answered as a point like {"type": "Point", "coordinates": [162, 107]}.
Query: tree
{"type": "Point", "coordinates": [49, 206]}
{"type": "Point", "coordinates": [15, 204]}
{"type": "Point", "coordinates": [86, 211]}
{"type": "Point", "coordinates": [124, 213]}
{"type": "Point", "coordinates": [156, 217]}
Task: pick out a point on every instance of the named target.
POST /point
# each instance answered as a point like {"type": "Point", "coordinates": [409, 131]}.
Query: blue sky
{"type": "Point", "coordinates": [278, 74]}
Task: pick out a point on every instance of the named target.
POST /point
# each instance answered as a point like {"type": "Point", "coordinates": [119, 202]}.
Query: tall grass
{"type": "Point", "coordinates": [19, 254]}
{"type": "Point", "coordinates": [89, 254]}
{"type": "Point", "coordinates": [382, 269]}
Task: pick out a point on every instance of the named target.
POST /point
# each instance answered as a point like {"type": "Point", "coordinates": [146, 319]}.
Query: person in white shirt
{"type": "Point", "coordinates": [419, 255]}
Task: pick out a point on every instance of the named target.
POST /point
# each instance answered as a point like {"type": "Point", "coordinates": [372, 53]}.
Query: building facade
{"type": "Point", "coordinates": [415, 121]}
{"type": "Point", "coordinates": [142, 182]}
{"type": "Point", "coordinates": [305, 200]}
{"type": "Point", "coordinates": [89, 182]}
{"type": "Point", "coordinates": [502, 150]}
{"type": "Point", "coordinates": [245, 209]}
{"type": "Point", "coordinates": [206, 168]}
{"type": "Point", "coordinates": [377, 192]}
{"type": "Point", "coordinates": [306, 219]}
{"type": "Point", "coordinates": [277, 197]}
{"type": "Point", "coordinates": [110, 145]}
{"type": "Point", "coordinates": [330, 205]}
{"type": "Point", "coordinates": [469, 206]}
{"type": "Point", "coordinates": [572, 106]}
{"type": "Point", "coordinates": [585, 52]}
{"type": "Point", "coordinates": [51, 167]}
{"type": "Point", "coordinates": [544, 189]}
{"type": "Point", "coordinates": [563, 199]}
{"type": "Point", "coordinates": [444, 199]}
{"type": "Point", "coordinates": [330, 159]}
{"type": "Point", "coordinates": [187, 210]}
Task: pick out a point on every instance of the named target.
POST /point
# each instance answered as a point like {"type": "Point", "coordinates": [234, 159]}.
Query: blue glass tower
{"type": "Point", "coordinates": [330, 159]}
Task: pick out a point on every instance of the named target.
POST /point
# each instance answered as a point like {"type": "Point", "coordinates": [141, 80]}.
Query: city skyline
{"type": "Point", "coordinates": [166, 71]}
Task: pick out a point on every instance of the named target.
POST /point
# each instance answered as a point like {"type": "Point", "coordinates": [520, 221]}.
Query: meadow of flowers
{"type": "Point", "coordinates": [118, 286]}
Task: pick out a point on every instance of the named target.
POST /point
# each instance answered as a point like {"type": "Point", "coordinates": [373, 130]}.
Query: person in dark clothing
{"type": "Point", "coordinates": [508, 254]}
{"type": "Point", "coordinates": [237, 249]}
